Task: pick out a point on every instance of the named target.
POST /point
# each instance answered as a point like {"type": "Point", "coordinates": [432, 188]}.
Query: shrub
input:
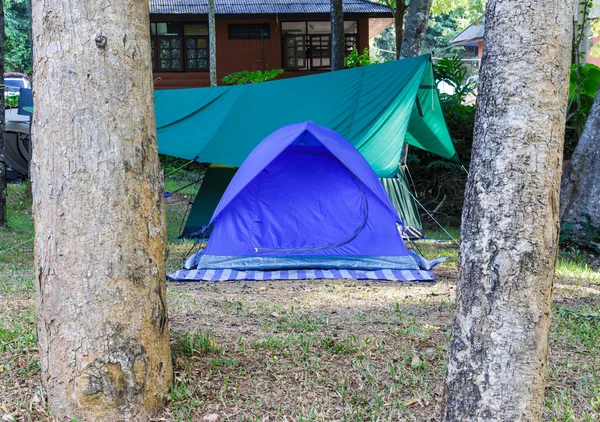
{"type": "Point", "coordinates": [440, 184]}
{"type": "Point", "coordinates": [251, 77]}
{"type": "Point", "coordinates": [356, 59]}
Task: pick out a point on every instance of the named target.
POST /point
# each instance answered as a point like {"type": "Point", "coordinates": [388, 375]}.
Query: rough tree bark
{"type": "Point", "coordinates": [398, 9]}
{"type": "Point", "coordinates": [99, 212]}
{"type": "Point", "coordinates": [415, 28]}
{"type": "Point", "coordinates": [338, 42]}
{"type": "Point", "coordinates": [2, 124]}
{"type": "Point", "coordinates": [580, 193]}
{"type": "Point", "coordinates": [498, 353]}
{"type": "Point", "coordinates": [399, 17]}
{"type": "Point", "coordinates": [212, 43]}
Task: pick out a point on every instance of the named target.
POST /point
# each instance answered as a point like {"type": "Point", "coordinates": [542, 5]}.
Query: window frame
{"type": "Point", "coordinates": [308, 41]}
{"type": "Point", "coordinates": [158, 39]}
{"type": "Point", "coordinates": [155, 43]}
{"type": "Point", "coordinates": [185, 49]}
{"type": "Point", "coordinates": [248, 26]}
{"type": "Point", "coordinates": [285, 50]}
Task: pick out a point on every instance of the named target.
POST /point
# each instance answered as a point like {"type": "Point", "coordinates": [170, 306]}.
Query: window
{"type": "Point", "coordinates": [179, 46]}
{"type": "Point", "coordinates": [307, 45]}
{"type": "Point", "coordinates": [254, 31]}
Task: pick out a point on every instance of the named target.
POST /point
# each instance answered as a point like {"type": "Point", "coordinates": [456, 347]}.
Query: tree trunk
{"type": "Point", "coordinates": [2, 125]}
{"type": "Point", "coordinates": [212, 35]}
{"type": "Point", "coordinates": [580, 195]}
{"type": "Point", "coordinates": [99, 212]}
{"type": "Point", "coordinates": [415, 28]}
{"type": "Point", "coordinates": [498, 353]}
{"type": "Point", "coordinates": [338, 42]}
{"type": "Point", "coordinates": [399, 16]}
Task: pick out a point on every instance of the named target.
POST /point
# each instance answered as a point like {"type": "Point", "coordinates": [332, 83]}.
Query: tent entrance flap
{"type": "Point", "coordinates": [398, 190]}
{"type": "Point", "coordinates": [215, 182]}
{"type": "Point", "coordinates": [373, 107]}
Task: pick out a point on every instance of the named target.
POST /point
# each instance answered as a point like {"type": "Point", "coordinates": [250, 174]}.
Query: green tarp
{"type": "Point", "coordinates": [399, 192]}
{"type": "Point", "coordinates": [375, 107]}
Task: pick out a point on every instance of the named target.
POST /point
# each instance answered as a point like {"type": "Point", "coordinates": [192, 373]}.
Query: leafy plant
{"type": "Point", "coordinates": [356, 59]}
{"type": "Point", "coordinates": [583, 86]}
{"type": "Point", "coordinates": [11, 102]}
{"type": "Point", "coordinates": [584, 80]}
{"type": "Point", "coordinates": [452, 71]}
{"type": "Point", "coordinates": [17, 51]}
{"type": "Point", "coordinates": [582, 235]}
{"type": "Point", "coordinates": [251, 77]}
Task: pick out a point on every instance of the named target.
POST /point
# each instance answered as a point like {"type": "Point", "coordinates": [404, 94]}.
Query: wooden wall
{"type": "Point", "coordinates": [236, 55]}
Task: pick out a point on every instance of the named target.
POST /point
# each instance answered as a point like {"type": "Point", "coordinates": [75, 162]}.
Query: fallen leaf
{"type": "Point", "coordinates": [8, 418]}
{"type": "Point", "coordinates": [416, 361]}
{"type": "Point", "coordinates": [411, 403]}
{"type": "Point", "coordinates": [213, 417]}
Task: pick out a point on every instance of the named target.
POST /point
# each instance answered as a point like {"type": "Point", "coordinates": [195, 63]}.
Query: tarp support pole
{"type": "Point", "coordinates": [431, 216]}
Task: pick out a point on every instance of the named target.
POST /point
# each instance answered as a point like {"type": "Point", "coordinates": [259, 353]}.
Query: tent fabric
{"type": "Point", "coordinates": [373, 107]}
{"type": "Point", "coordinates": [215, 182]}
{"type": "Point", "coordinates": [217, 178]}
{"type": "Point", "coordinates": [305, 198]}
{"type": "Point", "coordinates": [233, 275]}
{"type": "Point", "coordinates": [398, 190]}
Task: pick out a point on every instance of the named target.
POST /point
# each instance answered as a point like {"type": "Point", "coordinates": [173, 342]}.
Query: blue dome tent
{"type": "Point", "coordinates": [306, 199]}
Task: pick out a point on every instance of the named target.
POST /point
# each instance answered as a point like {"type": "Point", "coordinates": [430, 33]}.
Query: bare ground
{"type": "Point", "coordinates": [319, 350]}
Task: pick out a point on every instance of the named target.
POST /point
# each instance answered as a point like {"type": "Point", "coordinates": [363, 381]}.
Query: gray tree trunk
{"type": "Point", "coordinates": [338, 42]}
{"type": "Point", "coordinates": [2, 124]}
{"type": "Point", "coordinates": [415, 28]}
{"type": "Point", "coordinates": [580, 194]}
{"type": "Point", "coordinates": [498, 353]}
{"type": "Point", "coordinates": [99, 212]}
{"type": "Point", "coordinates": [212, 41]}
{"type": "Point", "coordinates": [399, 16]}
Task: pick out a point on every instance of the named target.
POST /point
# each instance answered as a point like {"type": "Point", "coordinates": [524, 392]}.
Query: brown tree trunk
{"type": "Point", "coordinates": [212, 41]}
{"type": "Point", "coordinates": [580, 194]}
{"type": "Point", "coordinates": [99, 212]}
{"type": "Point", "coordinates": [2, 125]}
{"type": "Point", "coordinates": [399, 16]}
{"type": "Point", "coordinates": [415, 28]}
{"type": "Point", "coordinates": [338, 42]}
{"type": "Point", "coordinates": [498, 353]}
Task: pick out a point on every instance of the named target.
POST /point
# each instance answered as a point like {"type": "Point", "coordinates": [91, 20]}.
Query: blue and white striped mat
{"type": "Point", "coordinates": [233, 275]}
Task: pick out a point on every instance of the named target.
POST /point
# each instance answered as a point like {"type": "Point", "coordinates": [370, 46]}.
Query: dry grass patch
{"type": "Point", "coordinates": [309, 350]}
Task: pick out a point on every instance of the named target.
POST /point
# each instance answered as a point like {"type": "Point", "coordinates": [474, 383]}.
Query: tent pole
{"type": "Point", "coordinates": [431, 216]}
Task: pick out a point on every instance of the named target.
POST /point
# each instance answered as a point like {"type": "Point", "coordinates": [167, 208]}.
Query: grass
{"type": "Point", "coordinates": [16, 241]}
{"type": "Point", "coordinates": [575, 266]}
{"type": "Point", "coordinates": [308, 350]}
